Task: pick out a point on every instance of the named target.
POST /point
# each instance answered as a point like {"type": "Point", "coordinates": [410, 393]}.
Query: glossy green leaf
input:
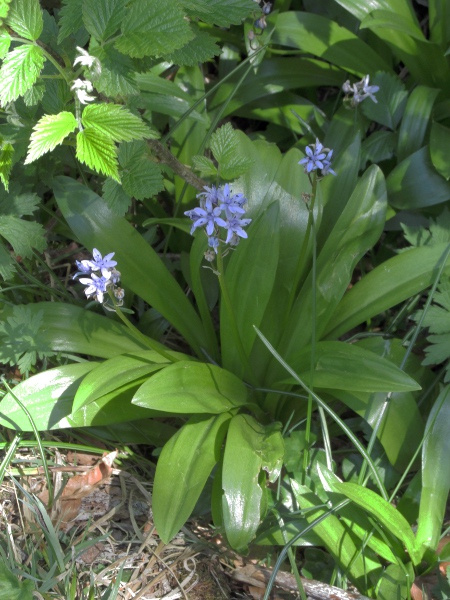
{"type": "Point", "coordinates": [183, 468]}
{"type": "Point", "coordinates": [386, 514]}
{"type": "Point", "coordinates": [192, 387]}
{"type": "Point", "coordinates": [25, 18]}
{"type": "Point", "coordinates": [415, 121]}
{"type": "Point", "coordinates": [349, 367]}
{"type": "Point", "coordinates": [335, 537]}
{"type": "Point", "coordinates": [102, 18]}
{"type": "Point", "coordinates": [391, 100]}
{"type": "Point", "coordinates": [142, 270]}
{"type": "Point", "coordinates": [115, 373]}
{"type": "Point", "coordinates": [326, 39]}
{"type": "Point", "coordinates": [388, 19]}
{"type": "Point", "coordinates": [151, 432]}
{"type": "Point", "coordinates": [250, 447]}
{"type": "Point", "coordinates": [393, 584]}
{"type": "Point", "coordinates": [394, 281]}
{"type": "Point", "coordinates": [439, 144]}
{"type": "Point", "coordinates": [250, 276]}
{"type": "Point", "coordinates": [435, 476]}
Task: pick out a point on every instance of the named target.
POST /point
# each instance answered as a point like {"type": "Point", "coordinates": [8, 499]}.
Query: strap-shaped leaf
{"type": "Point", "coordinates": [49, 132]}
{"type": "Point", "coordinates": [20, 69]}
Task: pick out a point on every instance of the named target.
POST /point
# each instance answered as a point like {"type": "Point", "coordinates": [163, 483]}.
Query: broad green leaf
{"type": "Point", "coordinates": [379, 146]}
{"type": "Point", "coordinates": [98, 152]}
{"type": "Point", "coordinates": [49, 132]}
{"type": "Point", "coordinates": [151, 432]}
{"type": "Point", "coordinates": [250, 277]}
{"type": "Point", "coordinates": [117, 78]}
{"type": "Point", "coordinates": [414, 183]}
{"type": "Point", "coordinates": [183, 468]}
{"type": "Point", "coordinates": [70, 18]}
{"type": "Point", "coordinates": [219, 12]}
{"type": "Point", "coordinates": [25, 18]}
{"type": "Point", "coordinates": [6, 158]}
{"type": "Point", "coordinates": [388, 19]}
{"type": "Point", "coordinates": [189, 387]}
{"type": "Point", "coordinates": [335, 537]}
{"type": "Point", "coordinates": [48, 397]}
{"type": "Point", "coordinates": [228, 153]}
{"type": "Point", "coordinates": [116, 122]}
{"type": "Point", "coordinates": [182, 223]}
{"type": "Point", "coordinates": [142, 270]}
{"type": "Point", "coordinates": [13, 589]}
{"type": "Point", "coordinates": [116, 197]}
{"type": "Point", "coordinates": [439, 22]}
{"type": "Point", "coordinates": [386, 514]}
{"type": "Point", "coordinates": [21, 234]}
{"type": "Point", "coordinates": [349, 367]}
{"type": "Point", "coordinates": [20, 69]}
{"type": "Point", "coordinates": [116, 373]}
{"type": "Point", "coordinates": [326, 39]}
{"type": "Point", "coordinates": [392, 97]}
{"type": "Point", "coordinates": [102, 18]}
{"type": "Point", "coordinates": [198, 50]}
{"type": "Point", "coordinates": [141, 177]}
{"type": "Point", "coordinates": [435, 476]}
{"type": "Point", "coordinates": [153, 28]}
{"type": "Point", "coordinates": [71, 329]}
{"type": "Point", "coordinates": [393, 584]}
{"type": "Point", "coordinates": [439, 144]}
{"type": "Point", "coordinates": [5, 42]}
{"type": "Point", "coordinates": [415, 121]}
{"type": "Point", "coordinates": [253, 447]}
{"type": "Point", "coordinates": [394, 281]}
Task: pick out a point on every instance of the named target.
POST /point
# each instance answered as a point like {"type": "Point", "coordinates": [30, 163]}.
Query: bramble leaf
{"type": "Point", "coordinates": [204, 165]}
{"type": "Point", "coordinates": [225, 147]}
{"type": "Point", "coordinates": [102, 18]}
{"type": "Point", "coordinates": [98, 151]}
{"type": "Point", "coordinates": [153, 29]}
{"type": "Point", "coordinates": [70, 18]}
{"type": "Point", "coordinates": [117, 77]}
{"type": "Point", "coordinates": [5, 42]}
{"type": "Point", "coordinates": [116, 197]}
{"type": "Point", "coordinates": [49, 132]}
{"type": "Point", "coordinates": [115, 122]}
{"type": "Point", "coordinates": [220, 12]}
{"type": "Point", "coordinates": [19, 71]}
{"type": "Point", "coordinates": [141, 178]}
{"type": "Point", "coordinates": [25, 18]}
{"type": "Point", "coordinates": [6, 154]}
{"type": "Point", "coordinates": [198, 50]}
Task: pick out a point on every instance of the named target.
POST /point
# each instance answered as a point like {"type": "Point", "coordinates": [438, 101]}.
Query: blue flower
{"type": "Point", "coordinates": [210, 197]}
{"type": "Point", "coordinates": [208, 216]}
{"type": "Point", "coordinates": [102, 264]}
{"type": "Point", "coordinates": [213, 242]}
{"type": "Point", "coordinates": [96, 286]}
{"type": "Point", "coordinates": [317, 157]}
{"type": "Point", "coordinates": [327, 164]}
{"type": "Point", "coordinates": [231, 203]}
{"type": "Point", "coordinates": [234, 226]}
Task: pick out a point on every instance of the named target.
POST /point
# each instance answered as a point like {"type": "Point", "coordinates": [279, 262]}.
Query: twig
{"type": "Point", "coordinates": [166, 157]}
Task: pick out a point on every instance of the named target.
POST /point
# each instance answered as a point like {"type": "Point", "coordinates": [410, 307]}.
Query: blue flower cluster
{"type": "Point", "coordinates": [219, 207]}
{"type": "Point", "coordinates": [107, 277]}
{"type": "Point", "coordinates": [317, 157]}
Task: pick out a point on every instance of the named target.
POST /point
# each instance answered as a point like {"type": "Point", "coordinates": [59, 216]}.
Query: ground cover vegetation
{"type": "Point", "coordinates": [224, 237]}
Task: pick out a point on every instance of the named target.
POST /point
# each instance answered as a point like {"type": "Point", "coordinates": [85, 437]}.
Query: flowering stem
{"type": "Point", "coordinates": [229, 307]}
{"type": "Point", "coordinates": [140, 336]}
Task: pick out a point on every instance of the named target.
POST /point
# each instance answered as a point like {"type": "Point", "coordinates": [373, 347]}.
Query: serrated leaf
{"type": "Point", "coordinates": [204, 165]}
{"type": "Point", "coordinates": [19, 71]}
{"type": "Point", "coordinates": [6, 154]}
{"type": "Point", "coordinates": [34, 95]}
{"type": "Point", "coordinates": [102, 18]}
{"type": "Point", "coordinates": [117, 77]}
{"type": "Point", "coordinates": [25, 18]}
{"type": "Point", "coordinates": [5, 42]}
{"type": "Point", "coordinates": [4, 7]}
{"type": "Point", "coordinates": [220, 12]}
{"type": "Point", "coordinates": [153, 28]}
{"type": "Point", "coordinates": [141, 177]}
{"type": "Point", "coordinates": [7, 266]}
{"type": "Point", "coordinates": [116, 197]}
{"type": "Point", "coordinates": [198, 50]}
{"type": "Point", "coordinates": [98, 152]}
{"type": "Point", "coordinates": [49, 132]}
{"type": "Point", "coordinates": [70, 18]}
{"type": "Point", "coordinates": [225, 147]}
{"type": "Point", "coordinates": [23, 235]}
{"type": "Point", "coordinates": [115, 122]}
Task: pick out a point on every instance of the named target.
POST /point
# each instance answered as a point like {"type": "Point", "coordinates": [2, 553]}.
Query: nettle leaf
{"type": "Point", "coordinates": [70, 18]}
{"type": "Point", "coordinates": [49, 132]}
{"type": "Point", "coordinates": [225, 147]}
{"type": "Point", "coordinates": [19, 71]}
{"type": "Point", "coordinates": [205, 165]}
{"type": "Point", "coordinates": [198, 50]}
{"type": "Point", "coordinates": [25, 18]}
{"type": "Point", "coordinates": [141, 177]}
{"type": "Point", "coordinates": [5, 42]}
{"type": "Point", "coordinates": [115, 122]}
{"type": "Point", "coordinates": [116, 197]}
{"type": "Point", "coordinates": [21, 342]}
{"type": "Point", "coordinates": [98, 152]}
{"type": "Point", "coordinates": [102, 18]}
{"type": "Point", "coordinates": [220, 12]}
{"type": "Point", "coordinates": [153, 29]}
{"type": "Point", "coordinates": [6, 156]}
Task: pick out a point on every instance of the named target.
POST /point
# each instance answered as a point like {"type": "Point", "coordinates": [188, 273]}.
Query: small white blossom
{"type": "Point", "coordinates": [86, 60]}
{"type": "Point", "coordinates": [82, 89]}
{"type": "Point", "coordinates": [360, 90]}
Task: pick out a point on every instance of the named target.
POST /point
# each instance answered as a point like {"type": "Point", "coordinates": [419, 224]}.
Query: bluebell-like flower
{"type": "Point", "coordinates": [96, 286]}
{"type": "Point", "coordinates": [210, 196]}
{"type": "Point", "coordinates": [360, 90]}
{"type": "Point", "coordinates": [208, 216]}
{"type": "Point", "coordinates": [317, 157]}
{"type": "Point", "coordinates": [213, 242]}
{"type": "Point", "coordinates": [103, 264]}
{"type": "Point", "coordinates": [231, 203]}
{"type": "Point", "coordinates": [84, 268]}
{"type": "Point", "coordinates": [234, 226]}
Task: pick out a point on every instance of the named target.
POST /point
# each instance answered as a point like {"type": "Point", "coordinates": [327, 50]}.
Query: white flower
{"type": "Point", "coordinates": [86, 60]}
{"type": "Point", "coordinates": [360, 91]}
{"type": "Point", "coordinates": [81, 88]}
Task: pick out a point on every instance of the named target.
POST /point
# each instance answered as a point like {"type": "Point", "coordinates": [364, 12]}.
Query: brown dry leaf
{"type": "Point", "coordinates": [82, 459]}
{"type": "Point", "coordinates": [80, 486]}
